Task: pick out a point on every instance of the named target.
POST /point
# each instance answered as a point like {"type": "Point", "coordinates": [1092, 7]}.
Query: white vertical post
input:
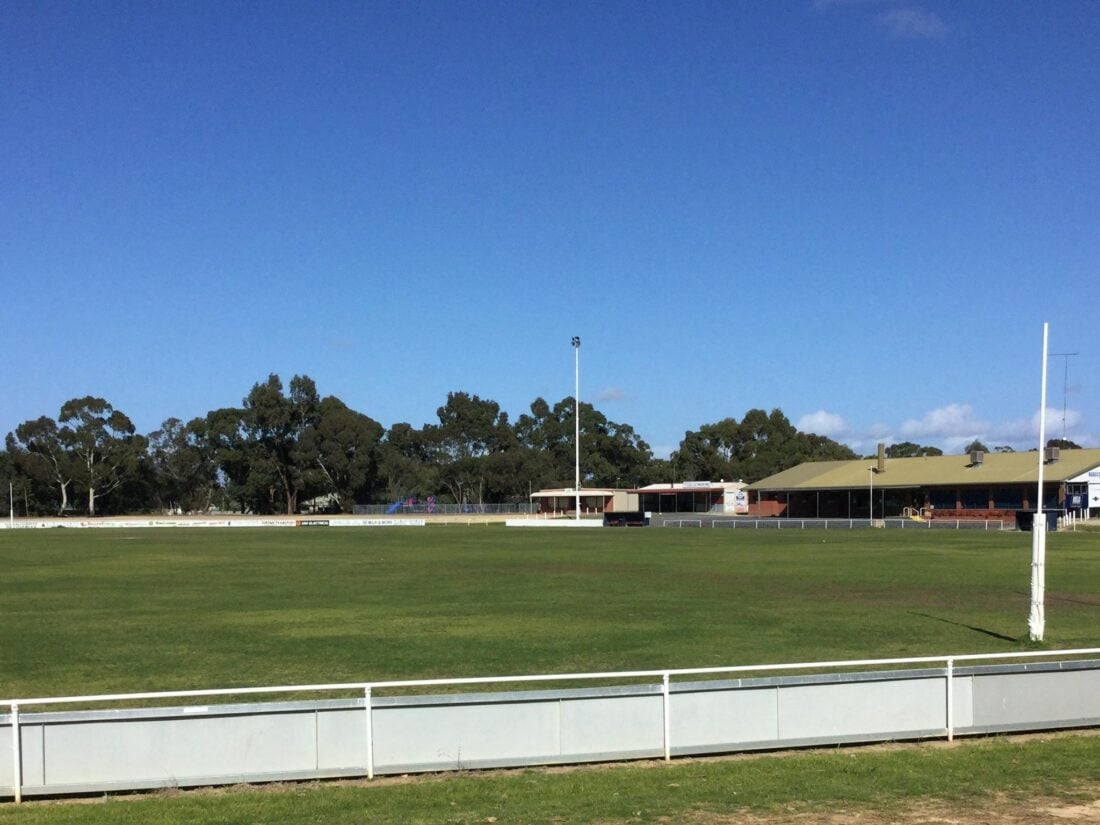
{"type": "Point", "coordinates": [370, 731]}
{"type": "Point", "coordinates": [871, 494]}
{"type": "Point", "coordinates": [16, 755]}
{"type": "Point", "coordinates": [950, 700]}
{"type": "Point", "coordinates": [577, 425]}
{"type": "Point", "coordinates": [1036, 619]}
{"type": "Point", "coordinates": [665, 704]}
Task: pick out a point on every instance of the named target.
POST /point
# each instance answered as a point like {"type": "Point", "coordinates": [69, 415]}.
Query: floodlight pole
{"type": "Point", "coordinates": [1036, 619]}
{"type": "Point", "coordinates": [1065, 383]}
{"type": "Point", "coordinates": [577, 426]}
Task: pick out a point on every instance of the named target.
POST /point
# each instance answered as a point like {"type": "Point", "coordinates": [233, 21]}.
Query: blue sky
{"type": "Point", "coordinates": [858, 211]}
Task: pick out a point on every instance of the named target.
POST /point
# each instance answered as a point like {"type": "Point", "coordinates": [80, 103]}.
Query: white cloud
{"type": "Point", "coordinates": [912, 22]}
{"type": "Point", "coordinates": [823, 423]}
{"type": "Point", "coordinates": [952, 421]}
{"type": "Point", "coordinates": [908, 21]}
{"type": "Point", "coordinates": [611, 394]}
{"type": "Point", "coordinates": [951, 428]}
{"type": "Point", "coordinates": [825, 5]}
{"type": "Point", "coordinates": [1024, 433]}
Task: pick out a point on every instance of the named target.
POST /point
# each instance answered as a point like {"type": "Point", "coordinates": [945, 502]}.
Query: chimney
{"type": "Point", "coordinates": [881, 458]}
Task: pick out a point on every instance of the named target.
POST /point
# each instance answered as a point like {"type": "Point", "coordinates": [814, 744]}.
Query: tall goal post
{"type": "Point", "coordinates": [1036, 618]}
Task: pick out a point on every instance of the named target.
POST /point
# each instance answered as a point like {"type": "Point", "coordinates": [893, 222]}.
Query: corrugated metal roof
{"type": "Point", "coordinates": [569, 492]}
{"type": "Point", "coordinates": [996, 468]}
{"type": "Point", "coordinates": [692, 487]}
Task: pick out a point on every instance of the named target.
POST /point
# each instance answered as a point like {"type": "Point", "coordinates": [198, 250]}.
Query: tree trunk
{"type": "Point", "coordinates": [91, 502]}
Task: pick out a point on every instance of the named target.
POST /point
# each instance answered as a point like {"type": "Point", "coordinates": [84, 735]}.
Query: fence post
{"type": "Point", "coordinates": [950, 700]}
{"type": "Point", "coordinates": [665, 706]}
{"type": "Point", "coordinates": [370, 731]}
{"type": "Point", "coordinates": [16, 755]}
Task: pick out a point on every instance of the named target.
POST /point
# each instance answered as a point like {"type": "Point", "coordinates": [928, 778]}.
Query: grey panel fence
{"type": "Point", "coordinates": [658, 714]}
{"type": "Point", "coordinates": [786, 523]}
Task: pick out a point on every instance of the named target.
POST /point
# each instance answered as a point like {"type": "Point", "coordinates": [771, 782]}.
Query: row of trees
{"type": "Point", "coordinates": [284, 446]}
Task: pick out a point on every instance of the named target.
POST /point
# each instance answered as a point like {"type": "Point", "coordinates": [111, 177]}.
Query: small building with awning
{"type": "Point", "coordinates": [679, 497]}
{"type": "Point", "coordinates": [593, 500]}
{"type": "Point", "coordinates": [977, 485]}
{"type": "Point", "coordinates": [693, 497]}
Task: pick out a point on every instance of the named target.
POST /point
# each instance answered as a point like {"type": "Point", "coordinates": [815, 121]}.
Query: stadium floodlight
{"type": "Point", "coordinates": [577, 425]}
{"type": "Point", "coordinates": [1036, 619]}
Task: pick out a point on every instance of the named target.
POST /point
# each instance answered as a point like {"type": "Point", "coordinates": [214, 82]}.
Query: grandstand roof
{"type": "Point", "coordinates": [995, 468]}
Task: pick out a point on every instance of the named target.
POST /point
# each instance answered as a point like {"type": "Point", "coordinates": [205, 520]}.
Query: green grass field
{"type": "Point", "coordinates": [112, 611]}
{"type": "Point", "coordinates": [88, 611]}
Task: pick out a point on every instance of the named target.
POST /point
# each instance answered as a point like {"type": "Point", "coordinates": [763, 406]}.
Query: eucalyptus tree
{"type": "Point", "coordinates": [262, 447]}
{"type": "Point", "coordinates": [245, 480]}
{"type": "Point", "coordinates": [611, 454]}
{"type": "Point", "coordinates": [909, 449]}
{"type": "Point", "coordinates": [471, 430]}
{"type": "Point", "coordinates": [760, 445]}
{"type": "Point", "coordinates": [344, 444]}
{"type": "Point", "coordinates": [184, 468]}
{"type": "Point", "coordinates": [709, 453]}
{"type": "Point", "coordinates": [102, 443]}
{"type": "Point", "coordinates": [36, 448]}
{"type": "Point", "coordinates": [405, 463]}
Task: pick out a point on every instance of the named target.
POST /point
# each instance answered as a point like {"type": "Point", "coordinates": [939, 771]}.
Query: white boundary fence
{"type": "Point", "coordinates": [237, 521]}
{"type": "Point", "coordinates": [747, 523]}
{"type": "Point", "coordinates": [655, 714]}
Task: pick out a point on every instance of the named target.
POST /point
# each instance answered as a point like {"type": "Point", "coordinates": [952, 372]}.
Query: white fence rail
{"type": "Point", "coordinates": [787, 523]}
{"type": "Point", "coordinates": [656, 714]}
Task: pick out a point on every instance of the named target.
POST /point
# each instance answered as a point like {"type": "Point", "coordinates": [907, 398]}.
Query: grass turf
{"type": "Point", "coordinates": [89, 611]}
{"type": "Point", "coordinates": [970, 777]}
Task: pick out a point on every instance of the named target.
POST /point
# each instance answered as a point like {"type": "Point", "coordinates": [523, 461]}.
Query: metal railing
{"type": "Point", "coordinates": [787, 523]}
{"type": "Point", "coordinates": [369, 690]}
{"type": "Point", "coordinates": [442, 509]}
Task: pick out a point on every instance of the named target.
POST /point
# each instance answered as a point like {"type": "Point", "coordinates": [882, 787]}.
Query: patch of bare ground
{"type": "Point", "coordinates": [999, 810]}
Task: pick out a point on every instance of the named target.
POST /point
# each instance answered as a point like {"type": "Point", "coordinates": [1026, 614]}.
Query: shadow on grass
{"type": "Point", "coordinates": [981, 630]}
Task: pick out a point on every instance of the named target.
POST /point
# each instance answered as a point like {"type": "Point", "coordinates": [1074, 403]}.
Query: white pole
{"type": "Point", "coordinates": [871, 494]}
{"type": "Point", "coordinates": [950, 700]}
{"type": "Point", "coordinates": [17, 755]}
{"type": "Point", "coordinates": [577, 426]}
{"type": "Point", "coordinates": [665, 712]}
{"type": "Point", "coordinates": [370, 731]}
{"type": "Point", "coordinates": [1036, 619]}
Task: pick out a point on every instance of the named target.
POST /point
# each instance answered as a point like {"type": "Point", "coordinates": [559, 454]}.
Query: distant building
{"type": "Point", "coordinates": [694, 497]}
{"type": "Point", "coordinates": [681, 497]}
{"type": "Point", "coordinates": [593, 500]}
{"type": "Point", "coordinates": [977, 485]}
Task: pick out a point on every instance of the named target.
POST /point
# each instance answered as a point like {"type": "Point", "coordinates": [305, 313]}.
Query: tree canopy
{"type": "Point", "coordinates": [285, 446]}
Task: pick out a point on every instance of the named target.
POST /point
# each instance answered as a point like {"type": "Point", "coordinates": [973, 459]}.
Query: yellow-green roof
{"type": "Point", "coordinates": [996, 468]}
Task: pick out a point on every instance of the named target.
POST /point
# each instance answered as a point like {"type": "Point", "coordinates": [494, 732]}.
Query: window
{"type": "Point", "coordinates": [974, 499]}
{"type": "Point", "coordinates": [942, 499]}
{"type": "Point", "coordinates": [1008, 498]}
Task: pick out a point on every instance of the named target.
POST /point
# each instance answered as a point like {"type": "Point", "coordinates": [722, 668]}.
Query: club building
{"type": "Point", "coordinates": [681, 497]}
{"type": "Point", "coordinates": [977, 485]}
